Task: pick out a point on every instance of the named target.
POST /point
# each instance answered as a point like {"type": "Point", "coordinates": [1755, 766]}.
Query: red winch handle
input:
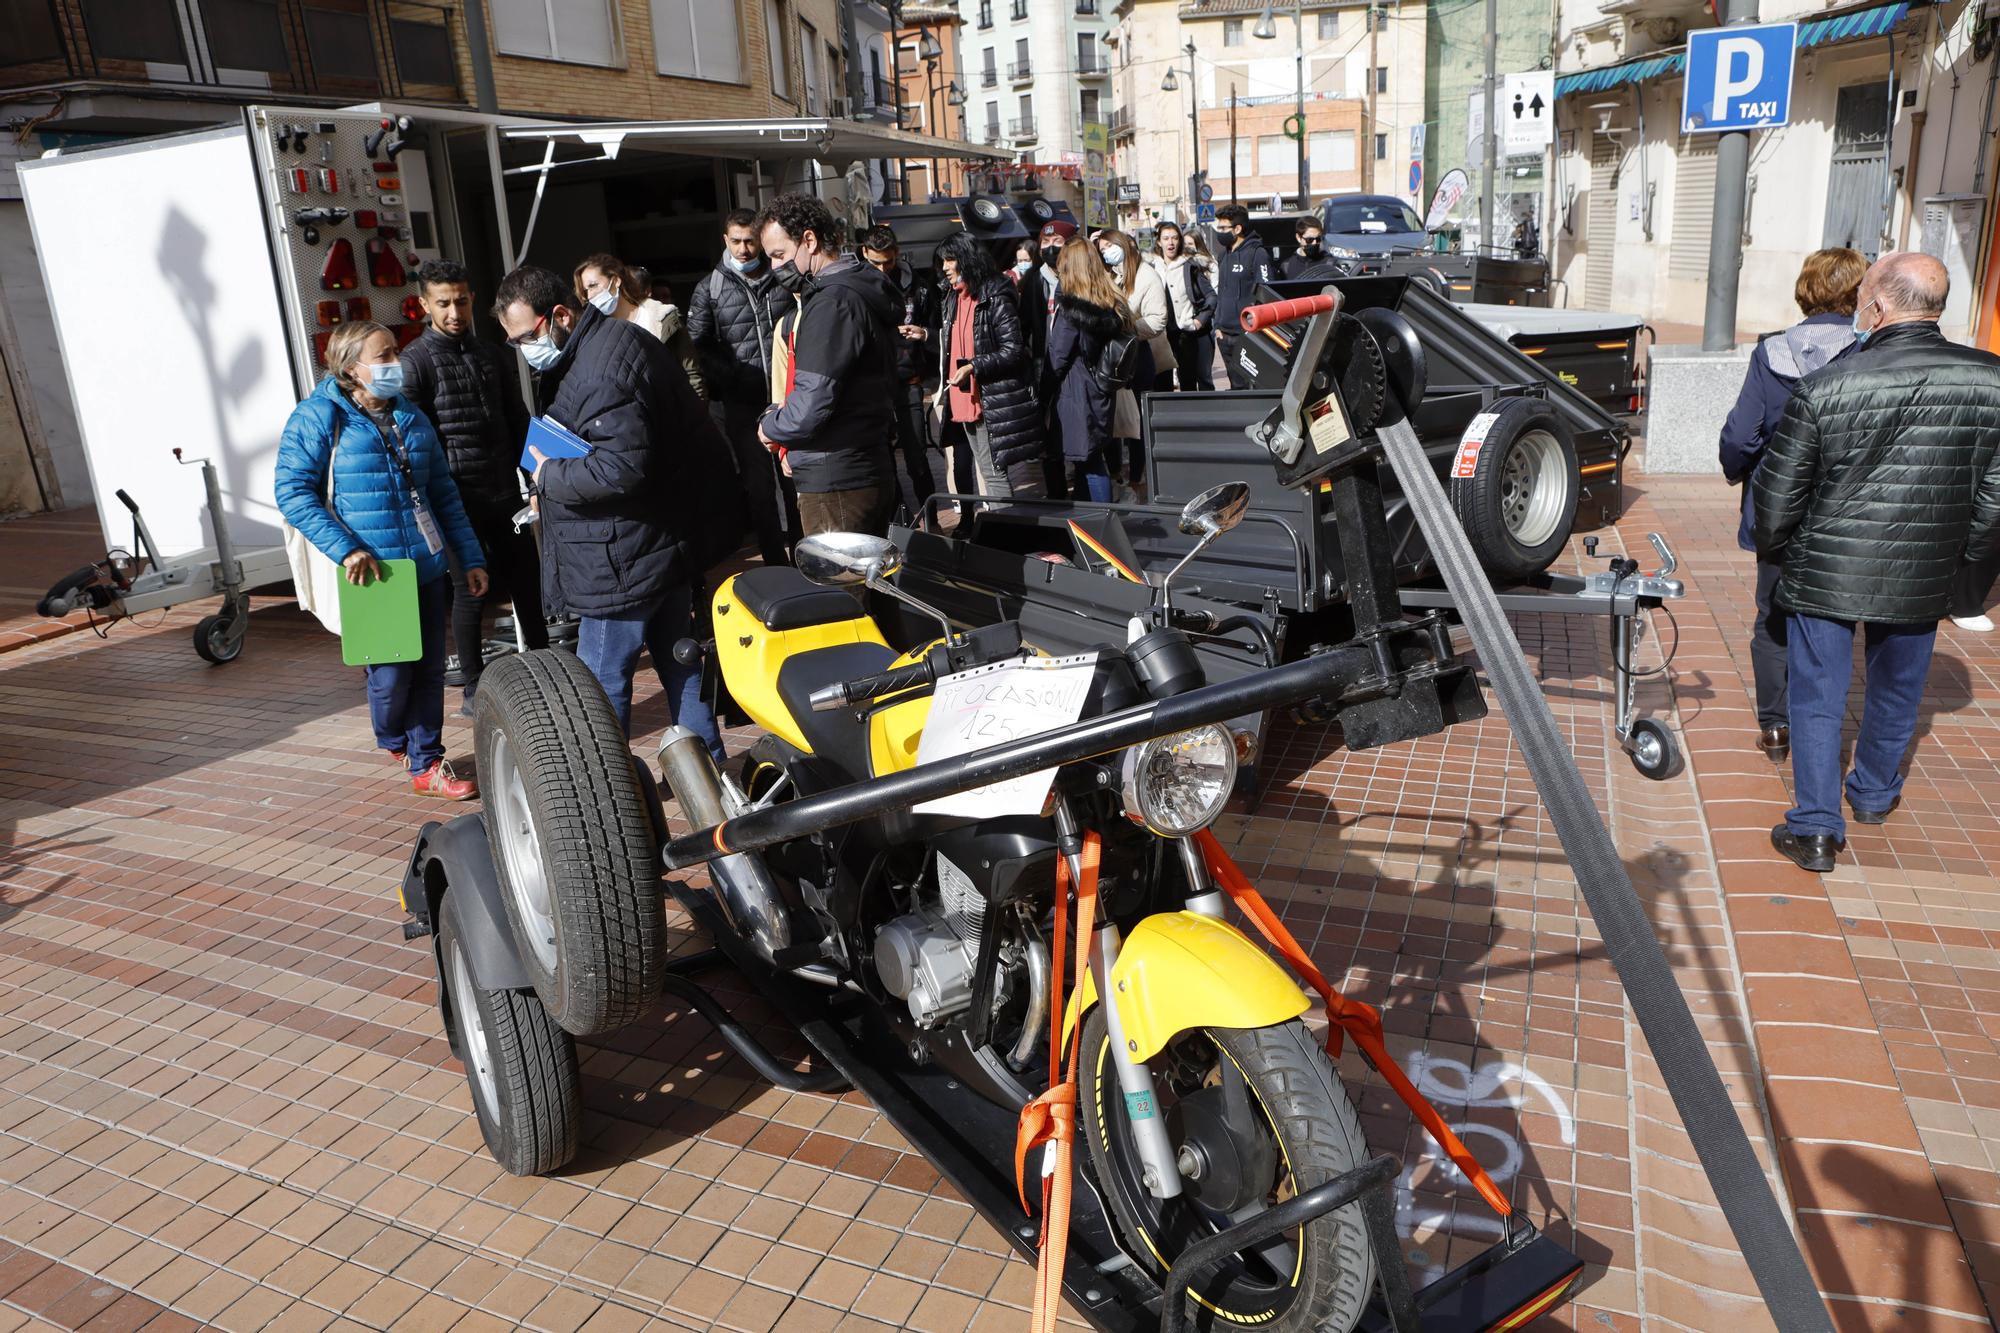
{"type": "Point", "coordinates": [1257, 317]}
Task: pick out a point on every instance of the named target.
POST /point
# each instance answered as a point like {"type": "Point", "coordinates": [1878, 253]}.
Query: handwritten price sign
{"type": "Point", "coordinates": [992, 705]}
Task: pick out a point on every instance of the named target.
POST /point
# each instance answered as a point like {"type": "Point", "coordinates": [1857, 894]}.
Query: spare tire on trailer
{"type": "Point", "coordinates": [1515, 485]}
{"type": "Point", "coordinates": [573, 840]}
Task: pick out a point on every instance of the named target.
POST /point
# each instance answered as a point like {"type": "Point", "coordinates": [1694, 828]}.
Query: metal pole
{"type": "Point", "coordinates": [1305, 165]}
{"type": "Point", "coordinates": [483, 96]}
{"type": "Point", "coordinates": [896, 85]}
{"type": "Point", "coordinates": [930, 114]}
{"type": "Point", "coordinates": [1232, 141]}
{"type": "Point", "coordinates": [1374, 63]}
{"type": "Point", "coordinates": [1492, 156]}
{"type": "Point", "coordinates": [1725, 235]}
{"type": "Point", "coordinates": [1194, 118]}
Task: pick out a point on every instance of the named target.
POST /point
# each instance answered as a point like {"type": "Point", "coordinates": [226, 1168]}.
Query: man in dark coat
{"type": "Point", "coordinates": [1825, 291]}
{"type": "Point", "coordinates": [1039, 290]}
{"type": "Point", "coordinates": [1882, 481]}
{"type": "Point", "coordinates": [1242, 266]}
{"type": "Point", "coordinates": [732, 314]}
{"type": "Point", "coordinates": [620, 525]}
{"type": "Point", "coordinates": [915, 360]}
{"type": "Point", "coordinates": [832, 430]}
{"type": "Point", "coordinates": [471, 392]}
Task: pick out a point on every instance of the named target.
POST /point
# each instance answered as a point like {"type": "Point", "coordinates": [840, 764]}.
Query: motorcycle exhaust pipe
{"type": "Point", "coordinates": [743, 882]}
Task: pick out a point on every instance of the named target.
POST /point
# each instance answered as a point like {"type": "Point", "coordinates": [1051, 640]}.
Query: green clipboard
{"type": "Point", "coordinates": [378, 620]}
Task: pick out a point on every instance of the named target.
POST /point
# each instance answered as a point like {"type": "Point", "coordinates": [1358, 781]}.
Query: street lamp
{"type": "Point", "coordinates": [1267, 29]}
{"type": "Point", "coordinates": [1172, 84]}
{"type": "Point", "coordinates": [928, 48]}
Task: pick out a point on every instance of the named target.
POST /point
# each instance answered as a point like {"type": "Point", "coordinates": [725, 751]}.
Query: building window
{"type": "Point", "coordinates": [1331, 150]}
{"type": "Point", "coordinates": [242, 34]}
{"type": "Point", "coordinates": [992, 122]}
{"type": "Point", "coordinates": [1086, 53]}
{"type": "Point", "coordinates": [985, 13]}
{"type": "Point", "coordinates": [809, 73]}
{"type": "Point", "coordinates": [1329, 25]}
{"type": "Point", "coordinates": [1381, 148]}
{"type": "Point", "coordinates": [1218, 158]}
{"type": "Point", "coordinates": [1232, 32]}
{"type": "Point", "coordinates": [1276, 155]}
{"type": "Point", "coordinates": [775, 43]}
{"type": "Point", "coordinates": [343, 47]}
{"type": "Point", "coordinates": [580, 32]}
{"type": "Point", "coordinates": [697, 39]}
{"type": "Point", "coordinates": [989, 69]}
{"type": "Point", "coordinates": [1381, 78]}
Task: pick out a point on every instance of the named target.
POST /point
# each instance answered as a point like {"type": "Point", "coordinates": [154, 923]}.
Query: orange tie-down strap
{"type": "Point", "coordinates": [1359, 1021]}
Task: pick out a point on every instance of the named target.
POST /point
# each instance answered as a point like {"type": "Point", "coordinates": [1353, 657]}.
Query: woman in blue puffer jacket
{"type": "Point", "coordinates": [393, 499]}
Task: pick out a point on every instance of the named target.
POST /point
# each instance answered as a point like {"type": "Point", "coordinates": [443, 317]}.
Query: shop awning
{"type": "Point", "coordinates": [1851, 26]}
{"type": "Point", "coordinates": [761, 140]}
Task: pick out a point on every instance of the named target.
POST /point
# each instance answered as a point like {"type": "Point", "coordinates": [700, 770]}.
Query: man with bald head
{"type": "Point", "coordinates": [1881, 483]}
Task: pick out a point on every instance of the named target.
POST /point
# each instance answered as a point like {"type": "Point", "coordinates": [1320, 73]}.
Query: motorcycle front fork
{"type": "Point", "coordinates": [1159, 1168]}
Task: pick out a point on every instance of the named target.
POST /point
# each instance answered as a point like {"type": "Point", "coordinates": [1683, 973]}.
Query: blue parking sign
{"type": "Point", "coordinates": [1738, 78]}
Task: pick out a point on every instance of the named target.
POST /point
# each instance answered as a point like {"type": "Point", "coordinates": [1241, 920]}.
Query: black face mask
{"type": "Point", "coordinates": [789, 276]}
{"type": "Point", "coordinates": [1311, 249]}
{"type": "Point", "coordinates": [1050, 254]}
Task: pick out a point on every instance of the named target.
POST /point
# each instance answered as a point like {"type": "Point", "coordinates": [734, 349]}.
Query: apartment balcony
{"type": "Point", "coordinates": [989, 78]}
{"type": "Point", "coordinates": [1020, 10]}
{"type": "Point", "coordinates": [991, 135]}
{"type": "Point", "coordinates": [338, 50]}
{"type": "Point", "coordinates": [1083, 124]}
{"type": "Point", "coordinates": [1094, 65]}
{"type": "Point", "coordinates": [1020, 71]}
{"type": "Point", "coordinates": [1121, 123]}
{"type": "Point", "coordinates": [1022, 130]}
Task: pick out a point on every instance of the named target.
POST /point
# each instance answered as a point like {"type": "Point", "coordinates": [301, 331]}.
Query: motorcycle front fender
{"type": "Point", "coordinates": [1182, 970]}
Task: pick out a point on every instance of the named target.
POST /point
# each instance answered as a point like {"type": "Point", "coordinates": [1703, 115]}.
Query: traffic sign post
{"type": "Point", "coordinates": [1738, 78]}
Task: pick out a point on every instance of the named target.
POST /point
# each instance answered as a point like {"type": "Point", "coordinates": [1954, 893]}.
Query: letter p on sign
{"type": "Point", "coordinates": [1738, 78]}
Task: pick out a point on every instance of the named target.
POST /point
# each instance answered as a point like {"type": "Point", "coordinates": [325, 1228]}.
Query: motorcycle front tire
{"type": "Point", "coordinates": [1319, 1137]}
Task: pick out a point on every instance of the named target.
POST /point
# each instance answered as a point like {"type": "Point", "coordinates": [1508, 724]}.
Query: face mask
{"type": "Point", "coordinates": [385, 380]}
{"type": "Point", "coordinates": [1861, 334]}
{"type": "Point", "coordinates": [1114, 255]}
{"type": "Point", "coordinates": [1224, 235]}
{"type": "Point", "coordinates": [1051, 254]}
{"type": "Point", "coordinates": [746, 265]}
{"type": "Point", "coordinates": [606, 301]}
{"type": "Point", "coordinates": [791, 279]}
{"type": "Point", "coordinates": [542, 352]}
{"type": "Point", "coordinates": [1024, 266]}
{"type": "Point", "coordinates": [1311, 249]}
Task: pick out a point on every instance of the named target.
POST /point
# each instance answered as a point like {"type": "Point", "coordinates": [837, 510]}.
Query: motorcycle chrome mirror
{"type": "Point", "coordinates": [1216, 510]}
{"type": "Point", "coordinates": [1205, 518]}
{"type": "Point", "coordinates": [847, 559]}
{"type": "Point", "coordinates": [857, 560]}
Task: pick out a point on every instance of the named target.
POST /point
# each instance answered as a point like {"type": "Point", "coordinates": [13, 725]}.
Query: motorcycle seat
{"type": "Point", "coordinates": [837, 737]}
{"type": "Point", "coordinates": [781, 598]}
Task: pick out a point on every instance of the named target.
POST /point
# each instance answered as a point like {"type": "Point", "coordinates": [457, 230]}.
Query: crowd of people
{"type": "Point", "coordinates": [804, 370]}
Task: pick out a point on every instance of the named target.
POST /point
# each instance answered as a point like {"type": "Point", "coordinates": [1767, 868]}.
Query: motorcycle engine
{"type": "Point", "coordinates": [926, 958]}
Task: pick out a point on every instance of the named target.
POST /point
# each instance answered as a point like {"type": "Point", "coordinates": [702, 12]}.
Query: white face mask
{"type": "Point", "coordinates": [1114, 255]}
{"type": "Point", "coordinates": [606, 300]}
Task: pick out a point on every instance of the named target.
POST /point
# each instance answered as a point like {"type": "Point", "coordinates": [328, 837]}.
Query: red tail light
{"type": "Point", "coordinates": [339, 274]}
{"type": "Point", "coordinates": [384, 269]}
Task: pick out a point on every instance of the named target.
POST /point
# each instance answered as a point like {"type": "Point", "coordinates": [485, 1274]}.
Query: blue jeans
{"type": "Point", "coordinates": [1091, 478]}
{"type": "Point", "coordinates": [610, 645]}
{"type": "Point", "coordinates": [406, 699]}
{"type": "Point", "coordinates": [1820, 661]}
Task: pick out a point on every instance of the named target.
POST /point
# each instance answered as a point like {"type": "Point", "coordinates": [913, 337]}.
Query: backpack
{"type": "Point", "coordinates": [1117, 363]}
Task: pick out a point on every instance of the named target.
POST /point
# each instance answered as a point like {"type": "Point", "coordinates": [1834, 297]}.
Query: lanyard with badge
{"type": "Point", "coordinates": [426, 524]}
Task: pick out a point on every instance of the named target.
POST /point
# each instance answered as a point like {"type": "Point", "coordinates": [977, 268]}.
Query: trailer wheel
{"type": "Point", "coordinates": [521, 1066]}
{"type": "Point", "coordinates": [1655, 753]}
{"type": "Point", "coordinates": [218, 639]}
{"type": "Point", "coordinates": [1317, 1279]}
{"type": "Point", "coordinates": [572, 840]}
{"type": "Point", "coordinates": [1519, 502]}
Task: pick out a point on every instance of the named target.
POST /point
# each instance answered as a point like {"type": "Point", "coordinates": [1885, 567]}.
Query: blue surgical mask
{"type": "Point", "coordinates": [1025, 266]}
{"type": "Point", "coordinates": [606, 300]}
{"type": "Point", "coordinates": [750, 265]}
{"type": "Point", "coordinates": [1861, 334]}
{"type": "Point", "coordinates": [541, 352]}
{"type": "Point", "coordinates": [386, 379]}
{"type": "Point", "coordinates": [1114, 255]}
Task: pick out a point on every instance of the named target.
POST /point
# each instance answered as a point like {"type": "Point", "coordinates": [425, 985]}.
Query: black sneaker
{"type": "Point", "coordinates": [1813, 851]}
{"type": "Point", "coordinates": [454, 670]}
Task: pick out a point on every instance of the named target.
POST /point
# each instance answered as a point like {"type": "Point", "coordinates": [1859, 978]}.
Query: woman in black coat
{"type": "Point", "coordinates": [986, 394]}
{"type": "Point", "coordinates": [1090, 311]}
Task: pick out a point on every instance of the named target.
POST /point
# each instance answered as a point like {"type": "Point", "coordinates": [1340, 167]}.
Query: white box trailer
{"type": "Point", "coordinates": [194, 279]}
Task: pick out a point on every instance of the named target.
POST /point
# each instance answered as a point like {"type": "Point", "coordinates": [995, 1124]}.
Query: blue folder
{"type": "Point", "coordinates": [554, 439]}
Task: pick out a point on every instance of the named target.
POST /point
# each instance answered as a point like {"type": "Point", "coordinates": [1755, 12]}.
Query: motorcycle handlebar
{"type": "Point", "coordinates": [1264, 316]}
{"type": "Point", "coordinates": [841, 694]}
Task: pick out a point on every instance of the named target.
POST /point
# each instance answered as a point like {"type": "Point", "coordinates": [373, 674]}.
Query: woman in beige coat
{"type": "Point", "coordinates": [1145, 292]}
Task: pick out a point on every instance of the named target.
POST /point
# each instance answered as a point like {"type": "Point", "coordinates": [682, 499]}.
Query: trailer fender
{"type": "Point", "coordinates": [1182, 970]}
{"type": "Point", "coordinates": [455, 858]}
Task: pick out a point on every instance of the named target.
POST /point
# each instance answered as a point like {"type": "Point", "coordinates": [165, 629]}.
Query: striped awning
{"type": "Point", "coordinates": [1848, 27]}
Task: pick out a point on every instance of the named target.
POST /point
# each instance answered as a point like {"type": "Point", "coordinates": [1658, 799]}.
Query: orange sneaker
{"type": "Point", "coordinates": [438, 780]}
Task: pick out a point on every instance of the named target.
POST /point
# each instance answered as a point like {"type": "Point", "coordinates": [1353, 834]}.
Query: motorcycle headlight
{"type": "Point", "coordinates": [1176, 785]}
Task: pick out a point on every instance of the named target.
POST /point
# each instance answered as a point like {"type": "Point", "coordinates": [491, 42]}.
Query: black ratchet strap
{"type": "Point", "coordinates": [1762, 1230]}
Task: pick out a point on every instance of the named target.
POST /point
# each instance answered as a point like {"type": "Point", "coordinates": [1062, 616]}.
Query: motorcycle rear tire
{"type": "Point", "coordinates": [1318, 1134]}
{"type": "Point", "coordinates": [521, 1067]}
{"type": "Point", "coordinates": [572, 839]}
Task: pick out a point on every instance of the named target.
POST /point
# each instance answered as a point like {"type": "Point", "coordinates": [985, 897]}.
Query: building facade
{"type": "Point", "coordinates": [1037, 72]}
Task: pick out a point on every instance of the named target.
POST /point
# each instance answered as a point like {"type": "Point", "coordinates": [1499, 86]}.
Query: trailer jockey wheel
{"type": "Point", "coordinates": [1654, 751]}
{"type": "Point", "coordinates": [1515, 491]}
{"type": "Point", "coordinates": [219, 638]}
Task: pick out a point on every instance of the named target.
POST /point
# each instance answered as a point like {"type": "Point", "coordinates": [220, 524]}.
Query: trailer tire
{"type": "Point", "coordinates": [572, 840]}
{"type": "Point", "coordinates": [1516, 495]}
{"type": "Point", "coordinates": [1319, 1136]}
{"type": "Point", "coordinates": [217, 640]}
{"type": "Point", "coordinates": [520, 1065]}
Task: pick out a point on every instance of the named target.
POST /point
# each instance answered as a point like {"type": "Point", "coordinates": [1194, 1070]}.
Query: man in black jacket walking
{"type": "Point", "coordinates": [470, 391]}
{"type": "Point", "coordinates": [916, 325]}
{"type": "Point", "coordinates": [1883, 479]}
{"type": "Point", "coordinates": [832, 430]}
{"type": "Point", "coordinates": [732, 315]}
{"type": "Point", "coordinates": [621, 526]}
{"type": "Point", "coordinates": [1242, 265]}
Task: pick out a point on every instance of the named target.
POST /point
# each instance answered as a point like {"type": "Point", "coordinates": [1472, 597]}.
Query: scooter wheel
{"type": "Point", "coordinates": [1655, 752]}
{"type": "Point", "coordinates": [522, 1067]}
{"type": "Point", "coordinates": [214, 640]}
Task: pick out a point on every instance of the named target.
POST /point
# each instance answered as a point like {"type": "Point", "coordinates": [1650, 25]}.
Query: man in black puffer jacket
{"type": "Point", "coordinates": [732, 314]}
{"type": "Point", "coordinates": [992, 414]}
{"type": "Point", "coordinates": [622, 525]}
{"type": "Point", "coordinates": [1882, 480]}
{"type": "Point", "coordinates": [470, 391]}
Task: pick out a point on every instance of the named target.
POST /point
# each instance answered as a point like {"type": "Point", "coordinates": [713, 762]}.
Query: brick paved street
{"type": "Point", "coordinates": [225, 1097]}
